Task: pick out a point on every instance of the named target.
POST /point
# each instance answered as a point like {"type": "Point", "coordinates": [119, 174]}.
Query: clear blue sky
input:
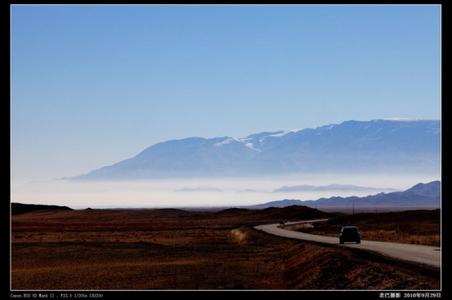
{"type": "Point", "coordinates": [92, 85]}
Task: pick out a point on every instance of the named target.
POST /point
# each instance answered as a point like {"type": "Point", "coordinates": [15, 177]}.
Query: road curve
{"type": "Point", "coordinates": [414, 253]}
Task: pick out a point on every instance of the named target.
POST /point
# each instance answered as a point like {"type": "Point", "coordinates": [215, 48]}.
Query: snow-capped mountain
{"type": "Point", "coordinates": [352, 145]}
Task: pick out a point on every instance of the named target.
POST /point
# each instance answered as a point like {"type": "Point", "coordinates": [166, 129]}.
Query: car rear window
{"type": "Point", "coordinates": [350, 230]}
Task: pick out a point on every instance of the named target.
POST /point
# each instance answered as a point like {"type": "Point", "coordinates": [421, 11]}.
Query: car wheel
{"type": "Point", "coordinates": [358, 241]}
{"type": "Point", "coordinates": [341, 241]}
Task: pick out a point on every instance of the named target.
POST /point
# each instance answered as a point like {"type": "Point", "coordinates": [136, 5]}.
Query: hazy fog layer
{"type": "Point", "coordinates": [199, 192]}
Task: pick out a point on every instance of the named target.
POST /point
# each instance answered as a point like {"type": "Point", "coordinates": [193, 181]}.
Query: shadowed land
{"type": "Point", "coordinates": [178, 249]}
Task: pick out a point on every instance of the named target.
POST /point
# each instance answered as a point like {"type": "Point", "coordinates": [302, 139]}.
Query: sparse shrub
{"type": "Point", "coordinates": [238, 236]}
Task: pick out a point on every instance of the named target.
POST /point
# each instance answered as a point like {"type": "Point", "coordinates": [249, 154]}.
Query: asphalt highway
{"type": "Point", "coordinates": [414, 253]}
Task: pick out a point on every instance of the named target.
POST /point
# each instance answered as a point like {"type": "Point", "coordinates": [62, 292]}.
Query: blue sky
{"type": "Point", "coordinates": [92, 85]}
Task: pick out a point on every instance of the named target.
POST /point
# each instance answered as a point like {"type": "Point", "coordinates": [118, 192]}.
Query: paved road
{"type": "Point", "coordinates": [415, 253]}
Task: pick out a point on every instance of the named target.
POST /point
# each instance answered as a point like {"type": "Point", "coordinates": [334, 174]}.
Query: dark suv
{"type": "Point", "coordinates": [349, 234]}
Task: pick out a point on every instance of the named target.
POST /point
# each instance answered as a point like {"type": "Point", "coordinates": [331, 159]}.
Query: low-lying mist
{"type": "Point", "coordinates": [197, 192]}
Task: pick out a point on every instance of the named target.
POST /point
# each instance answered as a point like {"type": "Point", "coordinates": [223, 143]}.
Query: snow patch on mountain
{"type": "Point", "coordinates": [226, 141]}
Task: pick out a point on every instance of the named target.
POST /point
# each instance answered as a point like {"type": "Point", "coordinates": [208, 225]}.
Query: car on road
{"type": "Point", "coordinates": [349, 234]}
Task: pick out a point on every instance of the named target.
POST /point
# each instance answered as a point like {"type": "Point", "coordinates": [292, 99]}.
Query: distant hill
{"type": "Point", "coordinates": [20, 208]}
{"type": "Point", "coordinates": [276, 203]}
{"type": "Point", "coordinates": [293, 212]}
{"type": "Point", "coordinates": [272, 214]}
{"type": "Point", "coordinates": [421, 195]}
{"type": "Point", "coordinates": [369, 146]}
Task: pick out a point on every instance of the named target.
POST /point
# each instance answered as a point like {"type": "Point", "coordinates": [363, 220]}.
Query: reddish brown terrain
{"type": "Point", "coordinates": [176, 249]}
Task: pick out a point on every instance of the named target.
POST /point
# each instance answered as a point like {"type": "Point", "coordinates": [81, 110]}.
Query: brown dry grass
{"type": "Point", "coordinates": [174, 250]}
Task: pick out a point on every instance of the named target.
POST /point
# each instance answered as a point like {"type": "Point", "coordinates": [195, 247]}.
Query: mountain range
{"type": "Point", "coordinates": [368, 146]}
{"type": "Point", "coordinates": [421, 195]}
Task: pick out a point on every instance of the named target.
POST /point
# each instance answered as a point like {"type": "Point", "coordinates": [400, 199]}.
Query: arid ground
{"type": "Point", "coordinates": [177, 249]}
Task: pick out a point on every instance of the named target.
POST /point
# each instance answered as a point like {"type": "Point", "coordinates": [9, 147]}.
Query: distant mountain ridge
{"type": "Point", "coordinates": [387, 145]}
{"type": "Point", "coordinates": [420, 195]}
